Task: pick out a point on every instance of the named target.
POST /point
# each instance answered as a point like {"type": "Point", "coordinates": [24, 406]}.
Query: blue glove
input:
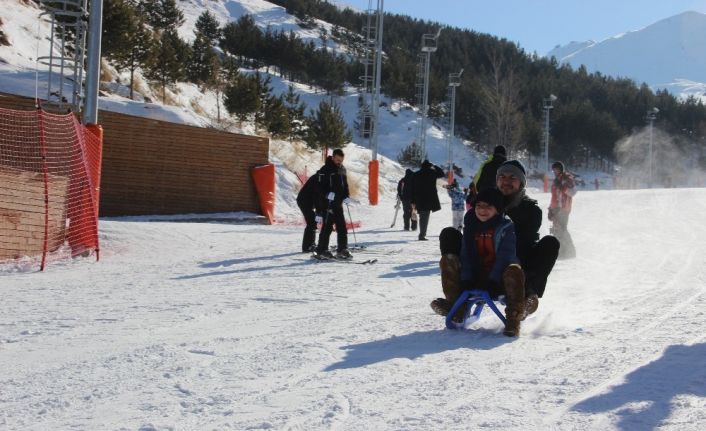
{"type": "Point", "coordinates": [331, 196]}
{"type": "Point", "coordinates": [347, 201]}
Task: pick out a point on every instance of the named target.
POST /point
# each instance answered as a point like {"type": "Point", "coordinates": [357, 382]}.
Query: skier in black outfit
{"type": "Point", "coordinates": [425, 197]}
{"type": "Point", "coordinates": [332, 193]}
{"type": "Point", "coordinates": [537, 256]}
{"type": "Point", "coordinates": [306, 200]}
{"type": "Point", "coordinates": [405, 193]}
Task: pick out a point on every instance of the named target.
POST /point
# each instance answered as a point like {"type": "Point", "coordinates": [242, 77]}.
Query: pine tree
{"type": "Point", "coordinates": [125, 39]}
{"type": "Point", "coordinates": [241, 97]}
{"type": "Point", "coordinates": [296, 109]}
{"type": "Point", "coordinates": [207, 26]}
{"type": "Point", "coordinates": [327, 127]}
{"type": "Point", "coordinates": [277, 117]}
{"type": "Point", "coordinates": [204, 63]}
{"type": "Point", "coordinates": [264, 90]}
{"type": "Point", "coordinates": [162, 14]}
{"type": "Point", "coordinates": [169, 56]}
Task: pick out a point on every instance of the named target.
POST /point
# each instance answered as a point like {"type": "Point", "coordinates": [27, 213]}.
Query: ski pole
{"type": "Point", "coordinates": [352, 226]}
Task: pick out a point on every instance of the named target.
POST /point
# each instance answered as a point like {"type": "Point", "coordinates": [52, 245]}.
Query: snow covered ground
{"type": "Point", "coordinates": [186, 326]}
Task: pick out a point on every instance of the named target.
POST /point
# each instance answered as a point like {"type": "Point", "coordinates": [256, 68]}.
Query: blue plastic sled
{"type": "Point", "coordinates": [476, 300]}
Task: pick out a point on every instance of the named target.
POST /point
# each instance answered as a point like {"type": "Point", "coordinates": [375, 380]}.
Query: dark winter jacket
{"type": "Point", "coordinates": [425, 197]}
{"type": "Point", "coordinates": [527, 218]}
{"type": "Point", "coordinates": [496, 239]}
{"type": "Point", "coordinates": [331, 178]}
{"type": "Point", "coordinates": [307, 196]}
{"type": "Point", "coordinates": [405, 187]}
{"type": "Point", "coordinates": [485, 178]}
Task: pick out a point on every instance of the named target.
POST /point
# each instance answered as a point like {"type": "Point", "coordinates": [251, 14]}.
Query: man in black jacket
{"type": "Point", "coordinates": [485, 178]}
{"type": "Point", "coordinates": [332, 192]}
{"type": "Point", "coordinates": [537, 256]}
{"type": "Point", "coordinates": [306, 200]}
{"type": "Point", "coordinates": [405, 193]}
{"type": "Point", "coordinates": [425, 197]}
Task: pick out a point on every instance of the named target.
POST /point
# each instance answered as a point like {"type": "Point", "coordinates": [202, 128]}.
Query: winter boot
{"type": "Point", "coordinates": [440, 306]}
{"type": "Point", "coordinates": [450, 266]}
{"type": "Point", "coordinates": [514, 285]}
{"type": "Point", "coordinates": [344, 254]}
{"type": "Point", "coordinates": [322, 255]}
{"type": "Point", "coordinates": [531, 304]}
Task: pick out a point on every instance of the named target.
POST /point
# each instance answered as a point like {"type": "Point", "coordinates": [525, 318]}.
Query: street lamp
{"type": "Point", "coordinates": [429, 45]}
{"type": "Point", "coordinates": [651, 117]}
{"type": "Point", "coordinates": [454, 81]}
{"type": "Point", "coordinates": [548, 105]}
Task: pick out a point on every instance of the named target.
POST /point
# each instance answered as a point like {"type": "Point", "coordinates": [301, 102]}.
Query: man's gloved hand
{"type": "Point", "coordinates": [347, 201]}
{"type": "Point", "coordinates": [550, 213]}
{"type": "Point", "coordinates": [331, 196]}
{"type": "Point", "coordinates": [318, 219]}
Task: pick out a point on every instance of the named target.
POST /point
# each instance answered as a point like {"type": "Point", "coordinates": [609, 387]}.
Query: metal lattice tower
{"type": "Point", "coordinates": [67, 53]}
{"type": "Point", "coordinates": [428, 46]}
{"type": "Point", "coordinates": [367, 80]}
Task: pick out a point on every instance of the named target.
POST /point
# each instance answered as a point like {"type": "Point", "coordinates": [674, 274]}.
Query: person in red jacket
{"type": "Point", "coordinates": [563, 191]}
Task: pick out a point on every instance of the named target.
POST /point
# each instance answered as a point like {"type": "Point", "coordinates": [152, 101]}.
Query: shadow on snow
{"type": "Point", "coordinates": [415, 345]}
{"type": "Point", "coordinates": [651, 389]}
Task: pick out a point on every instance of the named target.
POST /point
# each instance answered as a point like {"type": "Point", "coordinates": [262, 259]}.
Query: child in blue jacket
{"type": "Point", "coordinates": [458, 204]}
{"type": "Point", "coordinates": [488, 260]}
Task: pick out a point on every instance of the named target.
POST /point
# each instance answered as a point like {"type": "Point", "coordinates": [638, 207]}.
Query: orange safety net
{"type": "Point", "coordinates": [49, 183]}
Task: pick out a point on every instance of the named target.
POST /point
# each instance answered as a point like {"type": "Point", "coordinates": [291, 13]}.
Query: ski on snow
{"type": "Point", "coordinates": [357, 262]}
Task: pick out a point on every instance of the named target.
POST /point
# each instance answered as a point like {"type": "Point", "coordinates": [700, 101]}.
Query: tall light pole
{"type": "Point", "coordinates": [428, 46]}
{"type": "Point", "coordinates": [651, 117]}
{"type": "Point", "coordinates": [454, 81]}
{"type": "Point", "coordinates": [548, 105]}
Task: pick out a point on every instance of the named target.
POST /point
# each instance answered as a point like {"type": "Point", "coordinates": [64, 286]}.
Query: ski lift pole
{"type": "Point", "coordinates": [355, 240]}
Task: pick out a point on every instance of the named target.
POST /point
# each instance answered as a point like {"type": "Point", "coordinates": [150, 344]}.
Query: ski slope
{"type": "Point", "coordinates": [191, 326]}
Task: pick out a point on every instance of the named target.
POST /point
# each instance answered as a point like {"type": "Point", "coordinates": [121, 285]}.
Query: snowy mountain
{"type": "Point", "coordinates": [667, 54]}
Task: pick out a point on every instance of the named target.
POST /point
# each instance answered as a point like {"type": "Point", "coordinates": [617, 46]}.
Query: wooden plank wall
{"type": "Point", "coordinates": [22, 212]}
{"type": "Point", "coordinates": [155, 167]}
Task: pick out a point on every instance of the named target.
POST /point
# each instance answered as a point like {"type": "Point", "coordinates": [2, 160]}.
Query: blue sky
{"type": "Point", "coordinates": [539, 25]}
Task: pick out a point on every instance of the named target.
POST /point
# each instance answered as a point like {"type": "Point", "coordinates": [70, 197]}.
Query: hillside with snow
{"type": "Point", "coordinates": [667, 54]}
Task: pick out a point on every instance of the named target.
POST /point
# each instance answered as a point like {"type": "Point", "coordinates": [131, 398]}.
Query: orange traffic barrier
{"type": "Point", "coordinates": [264, 178]}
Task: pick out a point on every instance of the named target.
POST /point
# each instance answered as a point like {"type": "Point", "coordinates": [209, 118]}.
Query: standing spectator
{"type": "Point", "coordinates": [563, 191]}
{"type": "Point", "coordinates": [458, 202]}
{"type": "Point", "coordinates": [425, 197]}
{"type": "Point", "coordinates": [485, 177]}
{"type": "Point", "coordinates": [332, 191]}
{"type": "Point", "coordinates": [405, 191]}
{"type": "Point", "coordinates": [306, 200]}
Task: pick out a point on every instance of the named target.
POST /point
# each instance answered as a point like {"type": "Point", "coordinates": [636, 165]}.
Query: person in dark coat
{"type": "Point", "coordinates": [425, 197]}
{"type": "Point", "coordinates": [405, 191]}
{"type": "Point", "coordinates": [537, 256]}
{"type": "Point", "coordinates": [306, 200]}
{"type": "Point", "coordinates": [332, 192]}
{"type": "Point", "coordinates": [485, 177]}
